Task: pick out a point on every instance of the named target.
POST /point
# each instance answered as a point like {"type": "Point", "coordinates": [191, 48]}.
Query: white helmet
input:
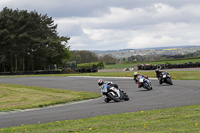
{"type": "Point", "coordinates": [135, 73]}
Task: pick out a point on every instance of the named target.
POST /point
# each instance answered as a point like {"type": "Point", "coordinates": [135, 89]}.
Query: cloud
{"type": "Point", "coordinates": [116, 24]}
{"type": "Point", "coordinates": [68, 27]}
{"type": "Point", "coordinates": [149, 41]}
{"type": "Point", "coordinates": [58, 8]}
{"type": "Point", "coordinates": [166, 34]}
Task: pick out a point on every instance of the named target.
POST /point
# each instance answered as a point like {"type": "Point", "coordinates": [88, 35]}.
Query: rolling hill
{"type": "Point", "coordinates": [125, 53]}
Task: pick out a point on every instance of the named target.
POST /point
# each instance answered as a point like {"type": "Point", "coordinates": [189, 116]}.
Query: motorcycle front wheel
{"type": "Point", "coordinates": [111, 96]}
{"type": "Point", "coordinates": [126, 99]}
{"type": "Point", "coordinates": [169, 81]}
{"type": "Point", "coordinates": [148, 87]}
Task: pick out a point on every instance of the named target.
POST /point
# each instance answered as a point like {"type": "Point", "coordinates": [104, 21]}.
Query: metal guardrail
{"type": "Point", "coordinates": [32, 72]}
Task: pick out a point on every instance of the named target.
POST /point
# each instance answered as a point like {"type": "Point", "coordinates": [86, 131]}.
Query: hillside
{"type": "Point", "coordinates": [125, 53]}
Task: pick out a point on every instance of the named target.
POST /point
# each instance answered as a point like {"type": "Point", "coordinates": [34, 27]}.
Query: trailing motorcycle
{"type": "Point", "coordinates": [165, 78]}
{"type": "Point", "coordinates": [113, 92]}
{"type": "Point", "coordinates": [144, 82]}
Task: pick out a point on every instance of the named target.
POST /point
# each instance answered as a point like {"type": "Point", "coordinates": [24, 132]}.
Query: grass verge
{"type": "Point", "coordinates": [178, 119]}
{"type": "Point", "coordinates": [22, 97]}
{"type": "Point", "coordinates": [176, 75]}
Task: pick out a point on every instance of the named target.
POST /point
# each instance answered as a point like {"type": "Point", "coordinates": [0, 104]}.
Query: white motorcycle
{"type": "Point", "coordinates": [113, 92]}
{"type": "Point", "coordinates": [145, 83]}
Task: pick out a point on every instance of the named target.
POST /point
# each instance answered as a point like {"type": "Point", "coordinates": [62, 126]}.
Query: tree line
{"type": "Point", "coordinates": [29, 41]}
{"type": "Point", "coordinates": [85, 56]}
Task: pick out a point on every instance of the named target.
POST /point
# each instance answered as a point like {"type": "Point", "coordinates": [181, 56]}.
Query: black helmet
{"type": "Point", "coordinates": [100, 82]}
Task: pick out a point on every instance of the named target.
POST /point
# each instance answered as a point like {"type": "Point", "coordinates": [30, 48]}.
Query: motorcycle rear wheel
{"type": "Point", "coordinates": [160, 81]}
{"type": "Point", "coordinates": [107, 100]}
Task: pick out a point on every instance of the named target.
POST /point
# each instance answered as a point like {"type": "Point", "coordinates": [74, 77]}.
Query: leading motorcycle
{"type": "Point", "coordinates": [165, 78]}
{"type": "Point", "coordinates": [113, 92]}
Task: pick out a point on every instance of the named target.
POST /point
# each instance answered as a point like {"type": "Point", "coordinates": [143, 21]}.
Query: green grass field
{"type": "Point", "coordinates": [129, 65]}
{"type": "Point", "coordinates": [14, 97]}
{"type": "Point", "coordinates": [171, 120]}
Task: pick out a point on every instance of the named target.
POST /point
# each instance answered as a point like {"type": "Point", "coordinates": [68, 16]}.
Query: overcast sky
{"type": "Point", "coordinates": [120, 24]}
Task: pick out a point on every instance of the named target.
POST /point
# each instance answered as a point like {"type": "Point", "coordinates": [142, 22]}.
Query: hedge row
{"type": "Point", "coordinates": [98, 65]}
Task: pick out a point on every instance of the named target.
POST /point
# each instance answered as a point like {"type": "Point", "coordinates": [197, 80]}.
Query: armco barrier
{"type": "Point", "coordinates": [86, 70]}
{"type": "Point", "coordinates": [31, 72]}
{"type": "Point", "coordinates": [81, 70]}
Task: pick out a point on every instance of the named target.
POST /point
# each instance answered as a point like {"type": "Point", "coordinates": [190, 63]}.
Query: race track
{"type": "Point", "coordinates": [182, 93]}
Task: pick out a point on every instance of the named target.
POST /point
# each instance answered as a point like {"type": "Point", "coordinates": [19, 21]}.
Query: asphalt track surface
{"type": "Point", "coordinates": [182, 93]}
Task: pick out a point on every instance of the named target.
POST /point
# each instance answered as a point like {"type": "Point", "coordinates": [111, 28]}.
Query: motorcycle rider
{"type": "Point", "coordinates": [158, 73]}
{"type": "Point", "coordinates": [136, 76]}
{"type": "Point", "coordinates": [101, 83]}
